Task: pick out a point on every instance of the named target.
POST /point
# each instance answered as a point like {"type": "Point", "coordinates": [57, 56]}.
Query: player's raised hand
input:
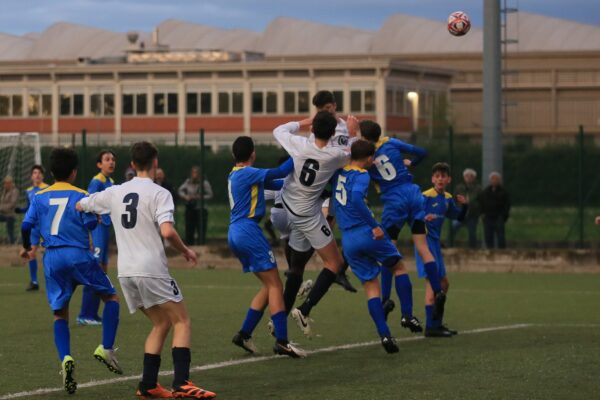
{"type": "Point", "coordinates": [78, 207]}
{"type": "Point", "coordinates": [352, 125]}
{"type": "Point", "coordinates": [407, 162]}
{"type": "Point", "coordinates": [378, 233]}
{"type": "Point", "coordinates": [429, 217]}
{"type": "Point", "coordinates": [461, 199]}
{"type": "Point", "coordinates": [598, 220]}
{"type": "Point", "coordinates": [190, 256]}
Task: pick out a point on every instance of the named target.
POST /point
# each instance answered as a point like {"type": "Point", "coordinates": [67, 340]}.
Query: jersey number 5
{"type": "Point", "coordinates": [309, 172]}
{"type": "Point", "coordinates": [129, 218]}
{"type": "Point", "coordinates": [340, 191]}
{"type": "Point", "coordinates": [385, 167]}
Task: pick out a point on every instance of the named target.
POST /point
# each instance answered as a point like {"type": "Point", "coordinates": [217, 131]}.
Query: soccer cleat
{"type": "Point", "coordinates": [245, 343]}
{"type": "Point", "coordinates": [411, 323]}
{"type": "Point", "coordinates": [190, 391]}
{"type": "Point", "coordinates": [89, 322]}
{"type": "Point", "coordinates": [158, 392]}
{"type": "Point", "coordinates": [302, 321]}
{"type": "Point", "coordinates": [452, 331]}
{"type": "Point", "coordinates": [305, 289]}
{"type": "Point", "coordinates": [271, 328]}
{"type": "Point", "coordinates": [388, 307]}
{"type": "Point", "coordinates": [288, 349]}
{"type": "Point", "coordinates": [33, 287]}
{"type": "Point", "coordinates": [68, 374]}
{"type": "Point", "coordinates": [342, 280]}
{"type": "Point", "coordinates": [107, 357]}
{"type": "Point", "coordinates": [438, 306]}
{"type": "Point", "coordinates": [389, 344]}
{"type": "Point", "coordinates": [437, 332]}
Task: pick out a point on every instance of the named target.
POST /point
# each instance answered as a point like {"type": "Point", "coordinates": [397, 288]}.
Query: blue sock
{"type": "Point", "coordinates": [252, 319]}
{"type": "Point", "coordinates": [33, 266]}
{"type": "Point", "coordinates": [110, 322]}
{"type": "Point", "coordinates": [386, 284]}
{"type": "Point", "coordinates": [62, 338]}
{"type": "Point", "coordinates": [90, 304]}
{"type": "Point", "coordinates": [376, 311]}
{"type": "Point", "coordinates": [433, 276]}
{"type": "Point", "coordinates": [429, 321]}
{"type": "Point", "coordinates": [280, 325]}
{"type": "Point", "coordinates": [404, 291]}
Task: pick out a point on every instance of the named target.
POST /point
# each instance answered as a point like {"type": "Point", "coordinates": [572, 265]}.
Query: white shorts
{"type": "Point", "coordinates": [143, 292]}
{"type": "Point", "coordinates": [309, 232]}
{"type": "Point", "coordinates": [280, 221]}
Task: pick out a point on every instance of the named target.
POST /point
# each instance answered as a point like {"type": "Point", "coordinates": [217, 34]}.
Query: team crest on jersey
{"type": "Point", "coordinates": [342, 140]}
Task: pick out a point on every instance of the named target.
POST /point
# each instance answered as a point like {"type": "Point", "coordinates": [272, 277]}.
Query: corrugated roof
{"type": "Point", "coordinates": [400, 34]}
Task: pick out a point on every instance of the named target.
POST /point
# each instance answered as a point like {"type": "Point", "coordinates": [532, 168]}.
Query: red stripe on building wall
{"type": "Point", "coordinates": [41, 125]}
{"type": "Point", "coordinates": [149, 125]}
{"type": "Point", "coordinates": [214, 124]}
{"type": "Point", "coordinates": [403, 124]}
{"type": "Point", "coordinates": [91, 125]}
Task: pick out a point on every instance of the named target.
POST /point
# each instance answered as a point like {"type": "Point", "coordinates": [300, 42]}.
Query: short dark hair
{"type": "Point", "coordinates": [242, 149]}
{"type": "Point", "coordinates": [102, 153]}
{"type": "Point", "coordinates": [142, 155]}
{"type": "Point", "coordinates": [323, 125]}
{"type": "Point", "coordinates": [370, 130]}
{"type": "Point", "coordinates": [63, 162]}
{"type": "Point", "coordinates": [323, 97]}
{"type": "Point", "coordinates": [362, 149]}
{"type": "Point", "coordinates": [440, 167]}
{"type": "Point", "coordinates": [38, 167]}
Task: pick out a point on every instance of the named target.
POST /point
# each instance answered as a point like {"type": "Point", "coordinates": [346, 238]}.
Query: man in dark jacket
{"type": "Point", "coordinates": [495, 208]}
{"type": "Point", "coordinates": [471, 190]}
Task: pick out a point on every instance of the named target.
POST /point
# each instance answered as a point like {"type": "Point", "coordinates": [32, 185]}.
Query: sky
{"type": "Point", "coordinates": [18, 17]}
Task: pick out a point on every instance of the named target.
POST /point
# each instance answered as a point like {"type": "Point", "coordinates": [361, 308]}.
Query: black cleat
{"type": "Point", "coordinates": [437, 332]}
{"type": "Point", "coordinates": [388, 307]}
{"type": "Point", "coordinates": [389, 344]}
{"type": "Point", "coordinates": [288, 349]}
{"type": "Point", "coordinates": [32, 287]}
{"type": "Point", "coordinates": [411, 323]}
{"type": "Point", "coordinates": [245, 342]}
{"type": "Point", "coordinates": [452, 331]}
{"type": "Point", "coordinates": [438, 306]}
{"type": "Point", "coordinates": [342, 280]}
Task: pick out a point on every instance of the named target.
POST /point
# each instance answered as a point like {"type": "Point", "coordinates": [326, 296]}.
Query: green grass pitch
{"type": "Point", "coordinates": [555, 356]}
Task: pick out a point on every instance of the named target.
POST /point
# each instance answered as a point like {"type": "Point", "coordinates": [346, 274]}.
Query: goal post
{"type": "Point", "coordinates": [18, 153]}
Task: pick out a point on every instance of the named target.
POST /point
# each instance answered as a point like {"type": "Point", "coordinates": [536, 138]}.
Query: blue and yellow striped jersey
{"type": "Point", "coordinates": [247, 193]}
{"type": "Point", "coordinates": [99, 183]}
{"type": "Point", "coordinates": [53, 212]}
{"type": "Point", "coordinates": [440, 206]}
{"type": "Point", "coordinates": [351, 185]}
{"type": "Point", "coordinates": [32, 191]}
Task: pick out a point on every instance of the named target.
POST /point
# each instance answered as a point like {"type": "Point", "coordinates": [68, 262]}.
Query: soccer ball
{"type": "Point", "coordinates": [458, 23]}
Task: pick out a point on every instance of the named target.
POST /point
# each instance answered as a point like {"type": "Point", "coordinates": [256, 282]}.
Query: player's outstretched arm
{"type": "Point", "coordinates": [97, 203]}
{"type": "Point", "coordinates": [419, 153]}
{"type": "Point", "coordinates": [280, 172]}
{"type": "Point", "coordinates": [168, 232]}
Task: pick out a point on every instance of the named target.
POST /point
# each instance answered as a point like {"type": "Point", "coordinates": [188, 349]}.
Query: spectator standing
{"type": "Point", "coordinates": [189, 191]}
{"type": "Point", "coordinates": [161, 180]}
{"type": "Point", "coordinates": [495, 208]}
{"type": "Point", "coordinates": [470, 190]}
{"type": "Point", "coordinates": [8, 202]}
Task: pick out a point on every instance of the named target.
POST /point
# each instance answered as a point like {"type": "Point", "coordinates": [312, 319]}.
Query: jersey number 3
{"type": "Point", "coordinates": [129, 218]}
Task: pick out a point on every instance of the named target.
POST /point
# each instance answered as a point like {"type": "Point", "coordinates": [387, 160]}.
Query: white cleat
{"type": "Point", "coordinates": [302, 321]}
{"type": "Point", "coordinates": [245, 343]}
{"type": "Point", "coordinates": [107, 357]}
{"type": "Point", "coordinates": [305, 289]}
{"type": "Point", "coordinates": [289, 350]}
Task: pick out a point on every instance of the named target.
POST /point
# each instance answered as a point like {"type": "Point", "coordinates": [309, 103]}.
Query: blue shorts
{"type": "Point", "coordinates": [67, 267]}
{"type": "Point", "coordinates": [404, 204]}
{"type": "Point", "coordinates": [365, 255]}
{"type": "Point", "coordinates": [435, 247]}
{"type": "Point", "coordinates": [100, 239]}
{"type": "Point", "coordinates": [249, 245]}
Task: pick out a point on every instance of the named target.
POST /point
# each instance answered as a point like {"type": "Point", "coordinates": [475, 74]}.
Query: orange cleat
{"type": "Point", "coordinates": [190, 391]}
{"type": "Point", "coordinates": [158, 392]}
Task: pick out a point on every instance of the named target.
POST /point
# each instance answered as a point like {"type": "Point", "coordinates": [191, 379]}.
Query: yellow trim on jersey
{"type": "Point", "coordinates": [381, 142]}
{"type": "Point", "coordinates": [62, 186]}
{"type": "Point", "coordinates": [434, 193]}
{"type": "Point", "coordinates": [354, 168]}
{"type": "Point", "coordinates": [111, 180]}
{"type": "Point", "coordinates": [29, 188]}
{"type": "Point", "coordinates": [100, 177]}
{"type": "Point", "coordinates": [447, 195]}
{"type": "Point", "coordinates": [253, 201]}
{"type": "Point", "coordinates": [43, 185]}
{"type": "Point", "coordinates": [237, 168]}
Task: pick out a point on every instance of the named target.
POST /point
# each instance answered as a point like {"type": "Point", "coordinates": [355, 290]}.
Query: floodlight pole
{"type": "Point", "coordinates": [492, 90]}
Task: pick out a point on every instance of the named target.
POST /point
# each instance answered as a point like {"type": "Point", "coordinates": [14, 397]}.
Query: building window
{"type": "Point", "coordinates": [339, 100]}
{"type": "Point", "coordinates": [159, 103]}
{"type": "Point", "coordinates": [134, 104]}
{"type": "Point", "coordinates": [17, 105]}
{"type": "Point", "coordinates": [71, 104]}
{"type": "Point", "coordinates": [231, 102]}
{"type": "Point", "coordinates": [198, 103]}
{"type": "Point", "coordinates": [295, 102]}
{"type": "Point", "coordinates": [172, 101]}
{"type": "Point", "coordinates": [4, 105]}
{"type": "Point", "coordinates": [362, 101]}
{"type": "Point", "coordinates": [103, 104]}
{"type": "Point", "coordinates": [46, 105]}
{"type": "Point", "coordinates": [356, 101]}
{"type": "Point", "coordinates": [205, 103]}
{"type": "Point", "coordinates": [264, 102]}
{"type": "Point", "coordinates": [33, 105]}
{"type": "Point", "coordinates": [11, 105]}
{"type": "Point", "coordinates": [165, 103]}
{"type": "Point", "coordinates": [191, 103]}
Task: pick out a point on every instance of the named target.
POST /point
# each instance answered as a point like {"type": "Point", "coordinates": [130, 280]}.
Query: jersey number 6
{"type": "Point", "coordinates": [129, 219]}
{"type": "Point", "coordinates": [309, 172]}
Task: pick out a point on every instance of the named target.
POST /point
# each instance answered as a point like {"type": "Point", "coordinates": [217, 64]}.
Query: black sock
{"type": "Point", "coordinates": [344, 267]}
{"type": "Point", "coordinates": [150, 375]}
{"type": "Point", "coordinates": [288, 254]}
{"type": "Point", "coordinates": [182, 358]}
{"type": "Point", "coordinates": [322, 285]}
{"type": "Point", "coordinates": [292, 285]}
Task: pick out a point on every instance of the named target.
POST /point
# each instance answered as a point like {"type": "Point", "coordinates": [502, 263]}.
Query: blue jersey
{"type": "Point", "coordinates": [60, 224]}
{"type": "Point", "coordinates": [440, 206]}
{"type": "Point", "coordinates": [99, 183]}
{"type": "Point", "coordinates": [351, 186]}
{"type": "Point", "coordinates": [388, 171]}
{"type": "Point", "coordinates": [31, 191]}
{"type": "Point", "coordinates": [247, 193]}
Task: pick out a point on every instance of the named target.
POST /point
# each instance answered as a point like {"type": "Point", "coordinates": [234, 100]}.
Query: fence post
{"type": "Point", "coordinates": [201, 216]}
{"type": "Point", "coordinates": [580, 200]}
{"type": "Point", "coordinates": [451, 161]}
{"type": "Point", "coordinates": [83, 160]}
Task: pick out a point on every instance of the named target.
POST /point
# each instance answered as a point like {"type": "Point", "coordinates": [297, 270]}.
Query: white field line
{"type": "Point", "coordinates": [252, 360]}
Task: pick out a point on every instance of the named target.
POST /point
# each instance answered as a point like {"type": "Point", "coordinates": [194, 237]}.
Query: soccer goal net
{"type": "Point", "coordinates": [18, 153]}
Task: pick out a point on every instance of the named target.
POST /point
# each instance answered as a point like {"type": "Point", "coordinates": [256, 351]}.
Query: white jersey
{"type": "Point", "coordinates": [341, 138]}
{"type": "Point", "coordinates": [138, 208]}
{"type": "Point", "coordinates": [313, 168]}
